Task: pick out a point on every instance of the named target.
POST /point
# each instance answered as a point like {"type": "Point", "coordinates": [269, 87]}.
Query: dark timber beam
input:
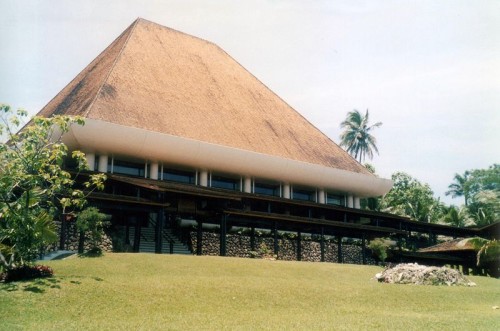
{"type": "Point", "coordinates": [340, 257]}
{"type": "Point", "coordinates": [299, 246]}
{"type": "Point", "coordinates": [199, 238]}
{"type": "Point", "coordinates": [275, 231]}
{"type": "Point", "coordinates": [363, 248]}
{"type": "Point", "coordinates": [137, 235]}
{"type": "Point", "coordinates": [252, 239]}
{"type": "Point", "coordinates": [223, 235]}
{"type": "Point", "coordinates": [159, 230]}
{"type": "Point", "coordinates": [322, 244]}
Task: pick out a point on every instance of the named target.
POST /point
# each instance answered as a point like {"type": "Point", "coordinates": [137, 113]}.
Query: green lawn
{"type": "Point", "coordinates": [171, 292]}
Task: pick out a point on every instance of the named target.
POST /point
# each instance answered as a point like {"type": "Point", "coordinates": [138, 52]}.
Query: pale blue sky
{"type": "Point", "coordinates": [429, 70]}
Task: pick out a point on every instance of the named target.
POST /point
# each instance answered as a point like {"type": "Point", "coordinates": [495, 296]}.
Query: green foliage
{"type": "Point", "coordinates": [481, 191]}
{"type": "Point", "coordinates": [456, 216]}
{"type": "Point", "coordinates": [357, 137]}
{"type": "Point", "coordinates": [92, 222]}
{"type": "Point", "coordinates": [372, 203]}
{"type": "Point", "coordinates": [264, 252]}
{"type": "Point", "coordinates": [34, 188]}
{"type": "Point", "coordinates": [459, 188]}
{"type": "Point", "coordinates": [485, 207]}
{"type": "Point", "coordinates": [488, 257]}
{"type": "Point", "coordinates": [409, 197]}
{"type": "Point", "coordinates": [379, 248]}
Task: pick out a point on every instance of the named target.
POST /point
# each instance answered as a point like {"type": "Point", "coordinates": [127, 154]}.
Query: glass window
{"type": "Point", "coordinates": [128, 168]}
{"type": "Point", "coordinates": [303, 194]}
{"type": "Point", "coordinates": [179, 176]}
{"type": "Point", "coordinates": [225, 182]}
{"type": "Point", "coordinates": [266, 188]}
{"type": "Point", "coordinates": [335, 199]}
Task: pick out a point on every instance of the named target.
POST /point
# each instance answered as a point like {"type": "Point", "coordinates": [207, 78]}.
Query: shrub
{"type": "Point", "coordinates": [488, 257]}
{"type": "Point", "coordinates": [93, 222]}
{"type": "Point", "coordinates": [26, 272]}
{"type": "Point", "coordinates": [379, 248]}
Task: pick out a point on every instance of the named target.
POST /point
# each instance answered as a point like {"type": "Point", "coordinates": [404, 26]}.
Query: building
{"type": "Point", "coordinates": [192, 140]}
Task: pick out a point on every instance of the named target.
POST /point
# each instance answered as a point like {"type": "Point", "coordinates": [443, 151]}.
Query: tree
{"type": "Point", "coordinates": [372, 203]}
{"type": "Point", "coordinates": [92, 222]}
{"type": "Point", "coordinates": [357, 137]}
{"type": "Point", "coordinates": [459, 188]}
{"type": "Point", "coordinates": [379, 248]}
{"type": "Point", "coordinates": [485, 207]}
{"type": "Point", "coordinates": [488, 257]}
{"type": "Point", "coordinates": [409, 197]}
{"type": "Point", "coordinates": [456, 216]}
{"type": "Point", "coordinates": [481, 190]}
{"type": "Point", "coordinates": [34, 188]}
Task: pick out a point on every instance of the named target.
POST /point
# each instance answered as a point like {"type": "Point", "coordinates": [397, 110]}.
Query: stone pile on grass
{"type": "Point", "coordinates": [413, 273]}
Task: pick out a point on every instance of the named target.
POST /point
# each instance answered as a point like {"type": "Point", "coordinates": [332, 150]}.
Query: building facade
{"type": "Point", "coordinates": [192, 142]}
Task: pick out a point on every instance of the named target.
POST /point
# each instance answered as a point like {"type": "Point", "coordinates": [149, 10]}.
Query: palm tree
{"type": "Point", "coordinates": [459, 187]}
{"type": "Point", "coordinates": [456, 216]}
{"type": "Point", "coordinates": [357, 138]}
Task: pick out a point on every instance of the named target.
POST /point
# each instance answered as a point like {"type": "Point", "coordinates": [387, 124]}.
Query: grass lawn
{"type": "Point", "coordinates": [173, 292]}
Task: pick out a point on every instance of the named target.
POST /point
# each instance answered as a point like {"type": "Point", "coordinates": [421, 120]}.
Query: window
{"type": "Point", "coordinates": [303, 194]}
{"type": "Point", "coordinates": [335, 199]}
{"type": "Point", "coordinates": [128, 168]}
{"type": "Point", "coordinates": [179, 176]}
{"type": "Point", "coordinates": [226, 183]}
{"type": "Point", "coordinates": [267, 188]}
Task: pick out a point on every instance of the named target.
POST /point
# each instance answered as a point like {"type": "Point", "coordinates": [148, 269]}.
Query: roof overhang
{"type": "Point", "coordinates": [102, 137]}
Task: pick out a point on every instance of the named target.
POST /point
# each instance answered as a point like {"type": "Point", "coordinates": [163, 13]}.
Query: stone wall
{"type": "Point", "coordinates": [239, 245]}
{"type": "Point", "coordinates": [72, 239]}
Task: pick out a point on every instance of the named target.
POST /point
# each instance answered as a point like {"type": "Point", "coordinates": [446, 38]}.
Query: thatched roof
{"type": "Point", "coordinates": [158, 79]}
{"type": "Point", "coordinates": [449, 246]}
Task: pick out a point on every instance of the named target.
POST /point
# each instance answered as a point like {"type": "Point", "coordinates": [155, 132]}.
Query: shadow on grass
{"type": "Point", "coordinates": [40, 285]}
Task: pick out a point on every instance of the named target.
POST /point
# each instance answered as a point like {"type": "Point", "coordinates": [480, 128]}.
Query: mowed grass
{"type": "Point", "coordinates": [172, 292]}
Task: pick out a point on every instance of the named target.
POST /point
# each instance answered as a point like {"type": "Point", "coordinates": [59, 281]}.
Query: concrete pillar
{"type": "Point", "coordinates": [247, 185]}
{"type": "Point", "coordinates": [350, 201]}
{"type": "Point", "coordinates": [153, 169]}
{"type": "Point", "coordinates": [321, 196]}
{"type": "Point", "coordinates": [357, 203]}
{"type": "Point", "coordinates": [90, 157]}
{"type": "Point", "coordinates": [103, 163]}
{"type": "Point", "coordinates": [286, 191]}
{"type": "Point", "coordinates": [204, 178]}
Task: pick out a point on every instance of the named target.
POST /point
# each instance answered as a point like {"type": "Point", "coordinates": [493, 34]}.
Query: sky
{"type": "Point", "coordinates": [428, 70]}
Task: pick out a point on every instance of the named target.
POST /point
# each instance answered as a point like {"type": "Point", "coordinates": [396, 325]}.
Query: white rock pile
{"type": "Point", "coordinates": [413, 273]}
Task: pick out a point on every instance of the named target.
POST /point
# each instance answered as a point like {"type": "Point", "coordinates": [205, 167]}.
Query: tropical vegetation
{"type": "Point", "coordinates": [412, 198]}
{"type": "Point", "coordinates": [357, 136]}
{"type": "Point", "coordinates": [34, 188]}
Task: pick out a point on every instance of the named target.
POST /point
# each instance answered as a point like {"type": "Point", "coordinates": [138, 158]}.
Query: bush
{"type": "Point", "coordinates": [488, 257]}
{"type": "Point", "coordinates": [93, 222]}
{"type": "Point", "coordinates": [379, 248]}
{"type": "Point", "coordinates": [26, 272]}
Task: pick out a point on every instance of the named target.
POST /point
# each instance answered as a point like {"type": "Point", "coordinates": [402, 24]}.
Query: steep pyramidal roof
{"type": "Point", "coordinates": [158, 79]}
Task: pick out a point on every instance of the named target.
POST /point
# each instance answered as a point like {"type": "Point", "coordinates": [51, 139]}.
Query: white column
{"type": "Point", "coordinates": [247, 185]}
{"type": "Point", "coordinates": [204, 178]}
{"type": "Point", "coordinates": [357, 203]}
{"type": "Point", "coordinates": [153, 169]}
{"type": "Point", "coordinates": [90, 157]}
{"type": "Point", "coordinates": [350, 201]}
{"type": "Point", "coordinates": [321, 196]}
{"type": "Point", "coordinates": [286, 191]}
{"type": "Point", "coordinates": [103, 163]}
